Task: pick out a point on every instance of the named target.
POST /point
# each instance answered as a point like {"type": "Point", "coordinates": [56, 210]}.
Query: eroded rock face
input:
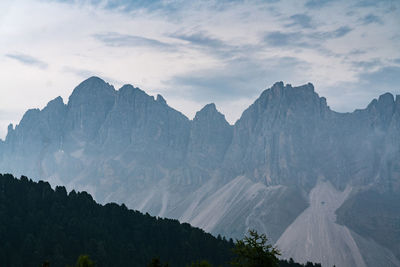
{"type": "Point", "coordinates": [289, 136]}
{"type": "Point", "coordinates": [210, 137]}
{"type": "Point", "coordinates": [275, 139]}
{"type": "Point", "coordinates": [88, 106]}
{"type": "Point", "coordinates": [125, 146]}
{"type": "Point", "coordinates": [150, 129]}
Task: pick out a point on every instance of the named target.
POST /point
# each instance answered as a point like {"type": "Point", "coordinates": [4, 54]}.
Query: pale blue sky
{"type": "Point", "coordinates": [197, 52]}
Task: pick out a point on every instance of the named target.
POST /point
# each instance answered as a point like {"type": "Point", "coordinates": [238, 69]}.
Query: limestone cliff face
{"type": "Point", "coordinates": [125, 146]}
{"type": "Point", "coordinates": [364, 145]}
{"type": "Point", "coordinates": [36, 134]}
{"type": "Point", "coordinates": [210, 137]}
{"type": "Point", "coordinates": [274, 141]}
{"type": "Point", "coordinates": [289, 136]}
{"type": "Point", "coordinates": [88, 106]}
{"type": "Point", "coordinates": [153, 132]}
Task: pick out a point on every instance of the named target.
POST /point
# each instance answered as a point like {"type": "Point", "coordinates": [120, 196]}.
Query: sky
{"type": "Point", "coordinates": [198, 52]}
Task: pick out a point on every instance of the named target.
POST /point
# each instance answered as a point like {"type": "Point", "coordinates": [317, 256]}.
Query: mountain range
{"type": "Point", "coordinates": [323, 185]}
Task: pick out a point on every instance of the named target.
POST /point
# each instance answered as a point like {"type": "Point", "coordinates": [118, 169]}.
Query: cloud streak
{"type": "Point", "coordinates": [371, 18]}
{"type": "Point", "coordinates": [300, 39]}
{"type": "Point", "coordinates": [317, 3]}
{"type": "Point", "coordinates": [199, 39]}
{"type": "Point", "coordinates": [337, 33]}
{"type": "Point", "coordinates": [244, 77]}
{"type": "Point", "coordinates": [280, 39]}
{"type": "Point", "coordinates": [302, 20]}
{"type": "Point", "coordinates": [115, 39]}
{"type": "Point", "coordinates": [28, 60]}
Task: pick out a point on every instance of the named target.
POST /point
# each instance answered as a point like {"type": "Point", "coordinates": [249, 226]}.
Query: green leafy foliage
{"type": "Point", "coordinates": [254, 251]}
{"type": "Point", "coordinates": [84, 261]}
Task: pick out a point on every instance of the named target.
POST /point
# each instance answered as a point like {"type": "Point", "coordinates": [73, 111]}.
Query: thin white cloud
{"type": "Point", "coordinates": [27, 60]}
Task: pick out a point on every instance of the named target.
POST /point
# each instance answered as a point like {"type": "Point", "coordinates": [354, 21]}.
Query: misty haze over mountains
{"type": "Point", "coordinates": [323, 185]}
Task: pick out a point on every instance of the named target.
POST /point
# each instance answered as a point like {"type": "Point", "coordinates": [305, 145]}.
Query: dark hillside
{"type": "Point", "coordinates": [38, 223]}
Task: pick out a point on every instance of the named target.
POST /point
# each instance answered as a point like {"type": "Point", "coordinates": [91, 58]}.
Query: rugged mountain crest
{"type": "Point", "coordinates": [263, 172]}
{"type": "Point", "coordinates": [147, 127]}
{"type": "Point", "coordinates": [284, 121]}
{"type": "Point", "coordinates": [161, 99]}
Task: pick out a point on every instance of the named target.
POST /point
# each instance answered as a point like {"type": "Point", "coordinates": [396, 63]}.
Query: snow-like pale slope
{"type": "Point", "coordinates": [232, 208]}
{"type": "Point", "coordinates": [215, 208]}
{"type": "Point", "coordinates": [314, 235]}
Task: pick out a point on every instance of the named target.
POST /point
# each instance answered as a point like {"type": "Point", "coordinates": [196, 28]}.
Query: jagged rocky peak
{"type": "Point", "coordinates": [372, 104]}
{"type": "Point", "coordinates": [386, 99]}
{"type": "Point", "coordinates": [132, 97]}
{"type": "Point", "coordinates": [53, 116]}
{"type": "Point", "coordinates": [89, 105]}
{"type": "Point", "coordinates": [129, 93]}
{"type": "Point", "coordinates": [55, 103]}
{"type": "Point", "coordinates": [309, 87]}
{"type": "Point", "coordinates": [54, 112]}
{"type": "Point", "coordinates": [129, 89]}
{"type": "Point", "coordinates": [29, 120]}
{"type": "Point", "coordinates": [288, 92]}
{"type": "Point", "coordinates": [207, 110]}
{"type": "Point", "coordinates": [286, 101]}
{"type": "Point", "coordinates": [279, 88]}
{"type": "Point", "coordinates": [89, 89]}
{"type": "Point", "coordinates": [30, 117]}
{"type": "Point", "coordinates": [386, 103]}
{"type": "Point", "coordinates": [41, 125]}
{"type": "Point", "coordinates": [381, 110]}
{"type": "Point", "coordinates": [384, 107]}
{"type": "Point", "coordinates": [284, 121]}
{"type": "Point", "coordinates": [161, 99]}
{"type": "Point", "coordinates": [210, 114]}
{"type": "Point", "coordinates": [10, 131]}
